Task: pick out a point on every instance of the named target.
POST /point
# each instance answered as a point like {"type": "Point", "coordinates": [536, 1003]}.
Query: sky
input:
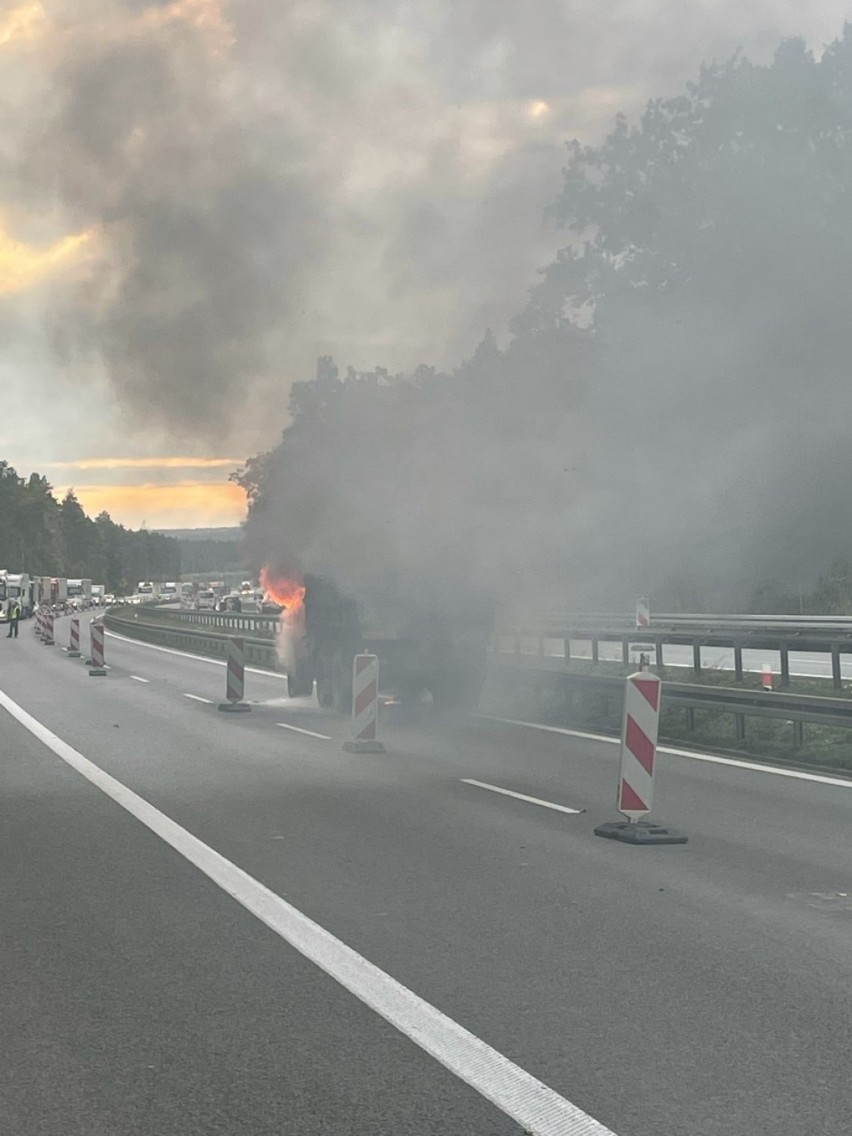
{"type": "Point", "coordinates": [198, 198]}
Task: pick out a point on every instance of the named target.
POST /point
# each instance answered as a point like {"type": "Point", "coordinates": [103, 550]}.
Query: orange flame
{"type": "Point", "coordinates": [285, 591]}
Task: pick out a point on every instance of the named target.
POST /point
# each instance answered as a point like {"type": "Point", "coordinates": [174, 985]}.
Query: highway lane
{"type": "Point", "coordinates": [697, 990]}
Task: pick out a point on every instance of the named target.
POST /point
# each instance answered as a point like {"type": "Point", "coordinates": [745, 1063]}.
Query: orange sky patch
{"type": "Point", "coordinates": [181, 505]}
{"type": "Point", "coordinates": [22, 266]}
{"type": "Point", "coordinates": [146, 463]}
{"type": "Point", "coordinates": [26, 21]}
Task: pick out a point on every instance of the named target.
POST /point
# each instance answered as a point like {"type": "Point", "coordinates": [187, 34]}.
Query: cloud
{"type": "Point", "coordinates": [273, 181]}
{"type": "Point", "coordinates": [26, 22]}
{"type": "Point", "coordinates": [22, 266]}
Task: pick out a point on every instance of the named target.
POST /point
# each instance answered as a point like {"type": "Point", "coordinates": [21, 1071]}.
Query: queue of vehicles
{"type": "Point", "coordinates": [31, 592]}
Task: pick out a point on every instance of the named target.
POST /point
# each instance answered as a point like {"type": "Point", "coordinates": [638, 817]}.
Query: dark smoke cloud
{"type": "Point", "coordinates": [272, 181]}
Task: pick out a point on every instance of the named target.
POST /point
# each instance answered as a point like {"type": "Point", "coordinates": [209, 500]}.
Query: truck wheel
{"type": "Point", "coordinates": [300, 681]}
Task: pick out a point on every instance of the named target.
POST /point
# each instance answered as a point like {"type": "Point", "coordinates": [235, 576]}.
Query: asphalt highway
{"type": "Point", "coordinates": [697, 990]}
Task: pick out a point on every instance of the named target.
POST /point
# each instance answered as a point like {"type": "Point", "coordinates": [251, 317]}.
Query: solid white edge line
{"type": "Point", "coordinates": [190, 655]}
{"type": "Point", "coordinates": [537, 1108]}
{"type": "Point", "coordinates": [520, 796]}
{"type": "Point", "coordinates": [198, 698]}
{"type": "Point", "coordinates": [299, 730]}
{"type": "Point", "coordinates": [693, 755]}
{"type": "Point", "coordinates": [137, 678]}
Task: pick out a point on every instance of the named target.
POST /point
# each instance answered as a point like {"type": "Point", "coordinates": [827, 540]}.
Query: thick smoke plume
{"type": "Point", "coordinates": [265, 182]}
{"type": "Point", "coordinates": [670, 415]}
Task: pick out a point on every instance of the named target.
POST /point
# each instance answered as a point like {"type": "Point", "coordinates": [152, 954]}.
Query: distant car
{"type": "Point", "coordinates": [205, 601]}
{"type": "Point", "coordinates": [270, 607]}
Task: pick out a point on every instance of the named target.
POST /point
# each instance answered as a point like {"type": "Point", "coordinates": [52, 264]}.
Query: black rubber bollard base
{"type": "Point", "coordinates": [73, 654]}
{"type": "Point", "coordinates": [364, 747]}
{"type": "Point", "coordinates": [640, 832]}
{"type": "Point", "coordinates": [97, 672]}
{"type": "Point", "coordinates": [234, 707]}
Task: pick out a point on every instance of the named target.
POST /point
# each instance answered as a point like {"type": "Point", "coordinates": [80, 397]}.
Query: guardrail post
{"type": "Point", "coordinates": [738, 663]}
{"type": "Point", "coordinates": [566, 649]}
{"type": "Point", "coordinates": [595, 649]}
{"type": "Point", "coordinates": [625, 652]}
{"type": "Point", "coordinates": [658, 653]}
{"type": "Point", "coordinates": [739, 723]}
{"type": "Point", "coordinates": [798, 733]}
{"type": "Point", "coordinates": [690, 719]}
{"type": "Point", "coordinates": [785, 667]}
{"type": "Point", "coordinates": [835, 666]}
{"type": "Point", "coordinates": [696, 656]}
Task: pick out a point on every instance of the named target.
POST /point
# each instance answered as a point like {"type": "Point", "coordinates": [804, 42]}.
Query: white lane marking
{"type": "Point", "coordinates": [189, 655]}
{"type": "Point", "coordinates": [299, 730]}
{"type": "Point", "coordinates": [534, 1106]}
{"type": "Point", "coordinates": [714, 759]}
{"type": "Point", "coordinates": [520, 796]}
{"type": "Point", "coordinates": [137, 678]}
{"type": "Point", "coordinates": [198, 698]}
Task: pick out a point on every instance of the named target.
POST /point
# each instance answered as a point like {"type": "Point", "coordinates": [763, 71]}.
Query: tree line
{"type": "Point", "coordinates": [46, 537]}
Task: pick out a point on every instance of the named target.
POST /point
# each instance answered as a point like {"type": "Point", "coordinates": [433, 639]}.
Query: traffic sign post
{"type": "Point", "coordinates": [365, 706]}
{"type": "Point", "coordinates": [639, 728]}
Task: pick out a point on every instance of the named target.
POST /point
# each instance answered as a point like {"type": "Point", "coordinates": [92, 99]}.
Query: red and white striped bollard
{"type": "Point", "coordinates": [235, 680]}
{"type": "Point", "coordinates": [365, 706]}
{"type": "Point", "coordinates": [74, 639]}
{"type": "Point", "coordinates": [96, 632]}
{"type": "Point", "coordinates": [639, 728]}
{"type": "Point", "coordinates": [47, 631]}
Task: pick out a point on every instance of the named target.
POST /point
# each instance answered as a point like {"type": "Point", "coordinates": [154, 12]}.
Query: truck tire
{"type": "Point", "coordinates": [300, 681]}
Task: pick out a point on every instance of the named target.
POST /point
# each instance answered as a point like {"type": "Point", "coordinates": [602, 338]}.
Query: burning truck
{"type": "Point", "coordinates": [440, 653]}
{"type": "Point", "coordinates": [392, 517]}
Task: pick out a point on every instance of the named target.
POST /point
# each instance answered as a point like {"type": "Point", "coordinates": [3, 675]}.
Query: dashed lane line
{"type": "Point", "coordinates": [198, 698]}
{"type": "Point", "coordinates": [520, 796]}
{"type": "Point", "coordinates": [138, 678]}
{"type": "Point", "coordinates": [299, 730]}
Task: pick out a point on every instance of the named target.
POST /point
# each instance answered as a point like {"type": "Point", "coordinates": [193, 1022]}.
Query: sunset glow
{"type": "Point", "coordinates": [22, 266]}
{"type": "Point", "coordinates": [146, 463]}
{"type": "Point", "coordinates": [25, 22]}
{"type": "Point", "coordinates": [182, 504]}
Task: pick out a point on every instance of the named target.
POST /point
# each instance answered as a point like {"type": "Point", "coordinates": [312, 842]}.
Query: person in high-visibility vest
{"type": "Point", "coordinates": [14, 614]}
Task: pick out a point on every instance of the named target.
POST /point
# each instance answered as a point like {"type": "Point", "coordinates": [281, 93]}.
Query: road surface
{"type": "Point", "coordinates": [687, 991]}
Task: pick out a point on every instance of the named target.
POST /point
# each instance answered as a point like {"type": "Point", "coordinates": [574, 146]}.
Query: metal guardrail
{"type": "Point", "coordinates": [797, 709]}
{"type": "Point", "coordinates": [234, 623]}
{"type": "Point", "coordinates": [209, 638]}
{"type": "Point", "coordinates": [213, 630]}
{"type": "Point", "coordinates": [833, 640]}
